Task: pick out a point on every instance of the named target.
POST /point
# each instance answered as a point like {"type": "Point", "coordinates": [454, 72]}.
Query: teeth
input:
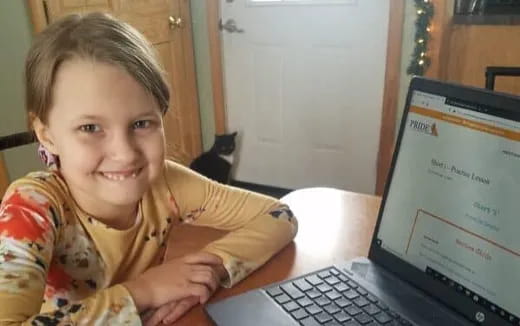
{"type": "Point", "coordinates": [119, 177]}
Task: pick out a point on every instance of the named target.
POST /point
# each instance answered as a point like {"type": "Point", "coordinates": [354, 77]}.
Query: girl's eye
{"type": "Point", "coordinates": [90, 128]}
{"type": "Point", "coordinates": [141, 124]}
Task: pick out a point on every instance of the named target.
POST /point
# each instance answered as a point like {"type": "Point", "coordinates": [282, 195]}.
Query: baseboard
{"type": "Point", "coordinates": [263, 189]}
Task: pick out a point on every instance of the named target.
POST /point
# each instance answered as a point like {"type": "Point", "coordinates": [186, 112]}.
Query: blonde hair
{"type": "Point", "coordinates": [95, 36]}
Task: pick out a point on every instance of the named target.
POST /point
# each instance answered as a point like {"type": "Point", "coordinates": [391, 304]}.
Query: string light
{"type": "Point", "coordinates": [420, 60]}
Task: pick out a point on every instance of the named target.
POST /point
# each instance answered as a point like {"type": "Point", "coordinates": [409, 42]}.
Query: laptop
{"type": "Point", "coordinates": [445, 250]}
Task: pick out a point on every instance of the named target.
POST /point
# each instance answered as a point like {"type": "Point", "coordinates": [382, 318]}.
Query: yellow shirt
{"type": "Point", "coordinates": [52, 252]}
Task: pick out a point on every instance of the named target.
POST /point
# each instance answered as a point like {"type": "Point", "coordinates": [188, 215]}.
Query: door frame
{"type": "Point", "coordinates": [215, 55]}
{"type": "Point", "coordinates": [38, 15]}
{"type": "Point", "coordinates": [390, 95]}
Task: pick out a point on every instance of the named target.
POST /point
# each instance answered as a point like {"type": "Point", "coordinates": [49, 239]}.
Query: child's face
{"type": "Point", "coordinates": [108, 133]}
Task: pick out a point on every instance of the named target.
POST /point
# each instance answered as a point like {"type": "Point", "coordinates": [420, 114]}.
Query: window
{"type": "Point", "coordinates": [487, 7]}
{"type": "Point", "coordinates": [299, 2]}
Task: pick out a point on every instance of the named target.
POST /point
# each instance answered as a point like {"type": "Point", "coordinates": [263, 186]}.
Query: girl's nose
{"type": "Point", "coordinates": [123, 148]}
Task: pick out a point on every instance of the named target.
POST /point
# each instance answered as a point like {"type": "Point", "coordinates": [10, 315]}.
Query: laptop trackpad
{"type": "Point", "coordinates": [255, 307]}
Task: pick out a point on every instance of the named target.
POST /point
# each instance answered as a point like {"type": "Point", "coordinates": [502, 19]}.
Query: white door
{"type": "Point", "coordinates": [304, 87]}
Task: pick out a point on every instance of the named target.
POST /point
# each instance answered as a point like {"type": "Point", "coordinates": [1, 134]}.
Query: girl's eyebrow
{"type": "Point", "coordinates": [91, 117]}
{"type": "Point", "coordinates": [150, 114]}
{"type": "Point", "coordinates": [88, 117]}
{"type": "Point", "coordinates": [147, 114]}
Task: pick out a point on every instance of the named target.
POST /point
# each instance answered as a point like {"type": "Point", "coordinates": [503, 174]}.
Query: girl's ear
{"type": "Point", "coordinates": [43, 134]}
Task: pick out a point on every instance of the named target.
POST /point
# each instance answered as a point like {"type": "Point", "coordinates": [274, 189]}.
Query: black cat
{"type": "Point", "coordinates": [216, 163]}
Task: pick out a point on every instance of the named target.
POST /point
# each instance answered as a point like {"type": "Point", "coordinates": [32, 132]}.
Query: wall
{"type": "Point", "coordinates": [15, 37]}
{"type": "Point", "coordinates": [203, 70]}
{"type": "Point", "coordinates": [473, 47]}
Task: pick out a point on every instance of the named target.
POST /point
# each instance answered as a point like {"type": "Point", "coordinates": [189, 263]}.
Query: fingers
{"type": "Point", "coordinates": [180, 309]}
{"type": "Point", "coordinates": [200, 291]}
{"type": "Point", "coordinates": [203, 258]}
{"type": "Point", "coordinates": [207, 276]}
{"type": "Point", "coordinates": [193, 275]}
{"type": "Point", "coordinates": [159, 314]}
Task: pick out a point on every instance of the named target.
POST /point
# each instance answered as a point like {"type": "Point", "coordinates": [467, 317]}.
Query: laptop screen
{"type": "Point", "coordinates": [453, 207]}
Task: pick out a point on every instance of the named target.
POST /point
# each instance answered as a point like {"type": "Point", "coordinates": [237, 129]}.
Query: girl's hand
{"type": "Point", "coordinates": [170, 312]}
{"type": "Point", "coordinates": [195, 275]}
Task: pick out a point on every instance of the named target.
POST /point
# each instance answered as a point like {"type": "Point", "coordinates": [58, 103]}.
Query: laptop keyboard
{"type": "Point", "coordinates": [331, 298]}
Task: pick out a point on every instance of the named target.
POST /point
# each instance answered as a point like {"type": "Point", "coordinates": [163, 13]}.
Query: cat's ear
{"type": "Point", "coordinates": [234, 134]}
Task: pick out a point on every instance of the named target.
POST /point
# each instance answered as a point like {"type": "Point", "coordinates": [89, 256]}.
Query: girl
{"type": "Point", "coordinates": [82, 242]}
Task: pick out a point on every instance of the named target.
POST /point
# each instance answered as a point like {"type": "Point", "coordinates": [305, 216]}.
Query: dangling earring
{"type": "Point", "coordinates": [51, 161]}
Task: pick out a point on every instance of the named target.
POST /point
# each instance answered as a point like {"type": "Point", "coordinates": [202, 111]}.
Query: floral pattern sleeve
{"type": "Point", "coordinates": [29, 231]}
{"type": "Point", "coordinates": [259, 225]}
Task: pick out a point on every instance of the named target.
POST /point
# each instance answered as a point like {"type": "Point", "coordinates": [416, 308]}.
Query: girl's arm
{"type": "Point", "coordinates": [259, 225]}
{"type": "Point", "coordinates": [29, 228]}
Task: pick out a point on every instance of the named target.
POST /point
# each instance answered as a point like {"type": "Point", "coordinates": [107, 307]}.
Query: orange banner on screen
{"type": "Point", "coordinates": [479, 126]}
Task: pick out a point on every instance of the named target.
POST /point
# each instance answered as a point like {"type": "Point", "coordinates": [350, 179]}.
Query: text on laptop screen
{"type": "Point", "coordinates": [453, 206]}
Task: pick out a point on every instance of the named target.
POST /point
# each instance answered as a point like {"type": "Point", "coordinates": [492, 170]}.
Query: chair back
{"type": "Point", "coordinates": [15, 140]}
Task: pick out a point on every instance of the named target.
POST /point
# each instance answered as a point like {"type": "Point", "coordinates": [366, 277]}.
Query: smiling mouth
{"type": "Point", "coordinates": [121, 176]}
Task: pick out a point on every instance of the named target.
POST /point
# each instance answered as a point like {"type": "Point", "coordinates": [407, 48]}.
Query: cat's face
{"type": "Point", "coordinates": [225, 144]}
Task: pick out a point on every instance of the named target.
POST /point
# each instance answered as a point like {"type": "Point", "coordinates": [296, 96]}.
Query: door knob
{"type": "Point", "coordinates": [230, 26]}
{"type": "Point", "coordinates": [175, 22]}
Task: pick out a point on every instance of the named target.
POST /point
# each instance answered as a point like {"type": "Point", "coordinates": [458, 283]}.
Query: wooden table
{"type": "Point", "coordinates": [334, 225]}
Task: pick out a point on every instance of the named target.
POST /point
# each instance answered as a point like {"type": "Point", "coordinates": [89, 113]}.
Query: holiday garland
{"type": "Point", "coordinates": [420, 60]}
